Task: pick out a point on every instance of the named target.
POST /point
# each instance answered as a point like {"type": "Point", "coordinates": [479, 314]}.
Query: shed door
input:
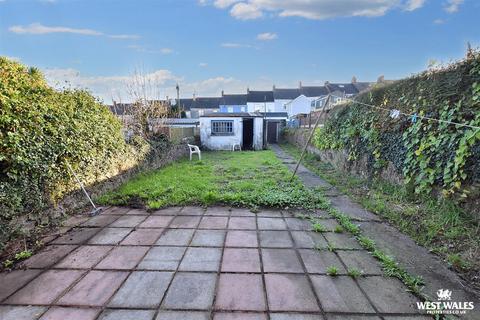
{"type": "Point", "coordinates": [272, 132]}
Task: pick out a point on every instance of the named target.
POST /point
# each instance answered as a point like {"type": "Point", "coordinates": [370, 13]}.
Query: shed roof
{"type": "Point", "coordinates": [232, 115]}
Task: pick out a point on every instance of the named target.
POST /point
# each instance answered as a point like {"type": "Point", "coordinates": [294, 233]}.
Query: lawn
{"type": "Point", "coordinates": [250, 179]}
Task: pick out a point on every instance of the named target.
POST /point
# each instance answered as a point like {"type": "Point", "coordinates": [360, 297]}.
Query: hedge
{"type": "Point", "coordinates": [430, 155]}
{"type": "Point", "coordinates": [40, 130]}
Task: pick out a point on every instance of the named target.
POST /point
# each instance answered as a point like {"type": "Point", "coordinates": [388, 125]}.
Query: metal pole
{"type": "Point", "coordinates": [310, 137]}
{"type": "Point", "coordinates": [81, 185]}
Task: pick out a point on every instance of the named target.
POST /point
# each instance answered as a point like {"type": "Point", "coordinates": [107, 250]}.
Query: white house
{"type": "Point", "coordinates": [260, 101]}
{"type": "Point", "coordinates": [221, 131]}
{"type": "Point", "coordinates": [282, 97]}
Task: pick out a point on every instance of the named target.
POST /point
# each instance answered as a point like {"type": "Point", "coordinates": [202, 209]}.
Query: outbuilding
{"type": "Point", "coordinates": [223, 131]}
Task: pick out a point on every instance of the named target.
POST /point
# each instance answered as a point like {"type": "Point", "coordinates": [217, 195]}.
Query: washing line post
{"type": "Point", "coordinates": [96, 210]}
{"type": "Point", "coordinates": [310, 136]}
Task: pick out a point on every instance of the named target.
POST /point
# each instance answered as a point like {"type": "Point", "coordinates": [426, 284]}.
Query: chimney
{"type": "Point", "coordinates": [273, 88]}
{"type": "Point", "coordinates": [299, 84]}
{"type": "Point", "coordinates": [354, 79]}
{"type": "Point", "coordinates": [327, 83]}
{"type": "Point", "coordinates": [381, 79]}
{"type": "Point", "coordinates": [194, 96]}
{"type": "Point", "coordinates": [222, 93]}
{"type": "Point", "coordinates": [248, 90]}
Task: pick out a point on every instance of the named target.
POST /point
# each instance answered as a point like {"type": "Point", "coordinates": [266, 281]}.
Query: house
{"type": "Point", "coordinates": [233, 103]}
{"type": "Point", "coordinates": [198, 106]}
{"type": "Point", "coordinates": [221, 131]}
{"type": "Point", "coordinates": [282, 97]}
{"type": "Point", "coordinates": [260, 101]}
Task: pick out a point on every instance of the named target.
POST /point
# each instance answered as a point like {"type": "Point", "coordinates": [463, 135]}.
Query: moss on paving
{"type": "Point", "coordinates": [249, 179]}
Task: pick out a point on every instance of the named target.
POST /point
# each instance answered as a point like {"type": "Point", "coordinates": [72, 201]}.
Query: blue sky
{"type": "Point", "coordinates": [210, 45]}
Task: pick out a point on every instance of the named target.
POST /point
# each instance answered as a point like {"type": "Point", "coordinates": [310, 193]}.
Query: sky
{"type": "Point", "coordinates": [112, 46]}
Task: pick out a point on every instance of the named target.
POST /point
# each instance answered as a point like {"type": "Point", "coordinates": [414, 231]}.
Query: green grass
{"type": "Point", "coordinates": [249, 179]}
{"type": "Point", "coordinates": [354, 273]}
{"type": "Point", "coordinates": [441, 226]}
{"type": "Point", "coordinates": [332, 271]}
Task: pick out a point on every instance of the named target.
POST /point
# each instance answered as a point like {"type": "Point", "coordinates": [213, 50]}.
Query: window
{"type": "Point", "coordinates": [222, 127]}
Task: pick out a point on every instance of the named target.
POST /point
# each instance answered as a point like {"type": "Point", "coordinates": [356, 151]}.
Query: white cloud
{"type": "Point", "coordinates": [203, 64]}
{"type": "Point", "coordinates": [314, 9]}
{"type": "Point", "coordinates": [246, 11]}
{"type": "Point", "coordinates": [40, 29]}
{"type": "Point", "coordinates": [163, 81]}
{"type": "Point", "coordinates": [235, 45]}
{"type": "Point", "coordinates": [452, 5]}
{"type": "Point", "coordinates": [144, 49]}
{"type": "Point", "coordinates": [222, 4]}
{"type": "Point", "coordinates": [412, 5]}
{"type": "Point", "coordinates": [439, 21]}
{"type": "Point", "coordinates": [17, 59]}
{"type": "Point", "coordinates": [267, 36]}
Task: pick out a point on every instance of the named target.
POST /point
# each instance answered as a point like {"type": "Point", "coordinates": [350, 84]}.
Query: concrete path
{"type": "Point", "coordinates": [194, 263]}
{"type": "Point", "coordinates": [414, 258]}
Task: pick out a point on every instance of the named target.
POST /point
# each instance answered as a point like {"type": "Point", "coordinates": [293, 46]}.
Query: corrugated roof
{"type": "Point", "coordinates": [231, 115]}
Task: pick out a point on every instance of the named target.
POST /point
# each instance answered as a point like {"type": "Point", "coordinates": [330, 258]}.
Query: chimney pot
{"type": "Point", "coordinates": [354, 79]}
{"type": "Point", "coordinates": [300, 84]}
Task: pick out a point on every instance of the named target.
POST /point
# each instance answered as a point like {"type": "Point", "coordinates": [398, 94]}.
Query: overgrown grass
{"type": "Point", "coordinates": [249, 179]}
{"type": "Point", "coordinates": [441, 226]}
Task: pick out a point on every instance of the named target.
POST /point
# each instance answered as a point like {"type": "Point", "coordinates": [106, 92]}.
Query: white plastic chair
{"type": "Point", "coordinates": [236, 145]}
{"type": "Point", "coordinates": [194, 149]}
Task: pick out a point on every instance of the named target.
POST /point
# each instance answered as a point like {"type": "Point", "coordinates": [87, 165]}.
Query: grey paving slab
{"type": "Point", "coordinates": [240, 292]}
{"type": "Point", "coordinates": [127, 315]}
{"type": "Point", "coordinates": [47, 256]}
{"type": "Point", "coordinates": [281, 260]}
{"type": "Point", "coordinates": [137, 212]}
{"type": "Point", "coordinates": [142, 289]}
{"type": "Point", "coordinates": [275, 239]}
{"type": "Point", "coordinates": [240, 260]}
{"type": "Point", "coordinates": [156, 222]}
{"type": "Point", "coordinates": [361, 261]}
{"type": "Point", "coordinates": [318, 261]}
{"type": "Point", "coordinates": [76, 236]}
{"type": "Point", "coordinates": [123, 258]}
{"type": "Point", "coordinates": [63, 313]}
{"type": "Point", "coordinates": [352, 317]}
{"type": "Point", "coordinates": [110, 236]}
{"type": "Point", "coordinates": [239, 316]}
{"type": "Point", "coordinates": [328, 224]}
{"type": "Point", "coordinates": [187, 222]}
{"type": "Point", "coordinates": [307, 239]}
{"type": "Point", "coordinates": [144, 237]}
{"type": "Point", "coordinates": [213, 223]}
{"type": "Point", "coordinates": [352, 209]}
{"type": "Point", "coordinates": [101, 220]}
{"type": "Point", "coordinates": [239, 212]}
{"type": "Point", "coordinates": [183, 315]}
{"type": "Point", "coordinates": [201, 259]}
{"type": "Point", "coordinates": [127, 221]}
{"type": "Point", "coordinates": [208, 238]}
{"type": "Point", "coordinates": [298, 224]}
{"type": "Point", "coordinates": [191, 291]}
{"type": "Point", "coordinates": [297, 316]}
{"type": "Point", "coordinates": [242, 223]}
{"type": "Point", "coordinates": [290, 293]}
{"type": "Point", "coordinates": [84, 257]}
{"type": "Point", "coordinates": [171, 211]}
{"type": "Point", "coordinates": [12, 281]}
{"type": "Point", "coordinates": [116, 210]}
{"type": "Point", "coordinates": [175, 237]}
{"type": "Point", "coordinates": [388, 295]}
{"type": "Point", "coordinates": [192, 211]}
{"type": "Point", "coordinates": [341, 240]}
{"type": "Point", "coordinates": [240, 238]}
{"type": "Point", "coordinates": [45, 288]}
{"type": "Point", "coordinates": [162, 258]}
{"type": "Point", "coordinates": [269, 213]}
{"type": "Point", "coordinates": [20, 313]}
{"type": "Point", "coordinates": [95, 289]}
{"type": "Point", "coordinates": [340, 294]}
{"type": "Point", "coordinates": [75, 220]}
{"type": "Point", "coordinates": [271, 224]}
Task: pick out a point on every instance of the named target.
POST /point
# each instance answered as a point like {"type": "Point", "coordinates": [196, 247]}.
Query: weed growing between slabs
{"type": "Point", "coordinates": [247, 179]}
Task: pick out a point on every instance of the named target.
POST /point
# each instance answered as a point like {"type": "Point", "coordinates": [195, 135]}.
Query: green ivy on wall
{"type": "Point", "coordinates": [428, 153]}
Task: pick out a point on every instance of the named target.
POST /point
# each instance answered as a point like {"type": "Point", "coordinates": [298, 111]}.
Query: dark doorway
{"type": "Point", "coordinates": [247, 134]}
{"type": "Point", "coordinates": [272, 132]}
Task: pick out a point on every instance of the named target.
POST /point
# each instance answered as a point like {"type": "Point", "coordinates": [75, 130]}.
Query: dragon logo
{"type": "Point", "coordinates": [444, 294]}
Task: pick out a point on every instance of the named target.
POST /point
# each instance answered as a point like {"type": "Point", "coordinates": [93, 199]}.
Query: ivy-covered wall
{"type": "Point", "coordinates": [40, 130]}
{"type": "Point", "coordinates": [430, 155]}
